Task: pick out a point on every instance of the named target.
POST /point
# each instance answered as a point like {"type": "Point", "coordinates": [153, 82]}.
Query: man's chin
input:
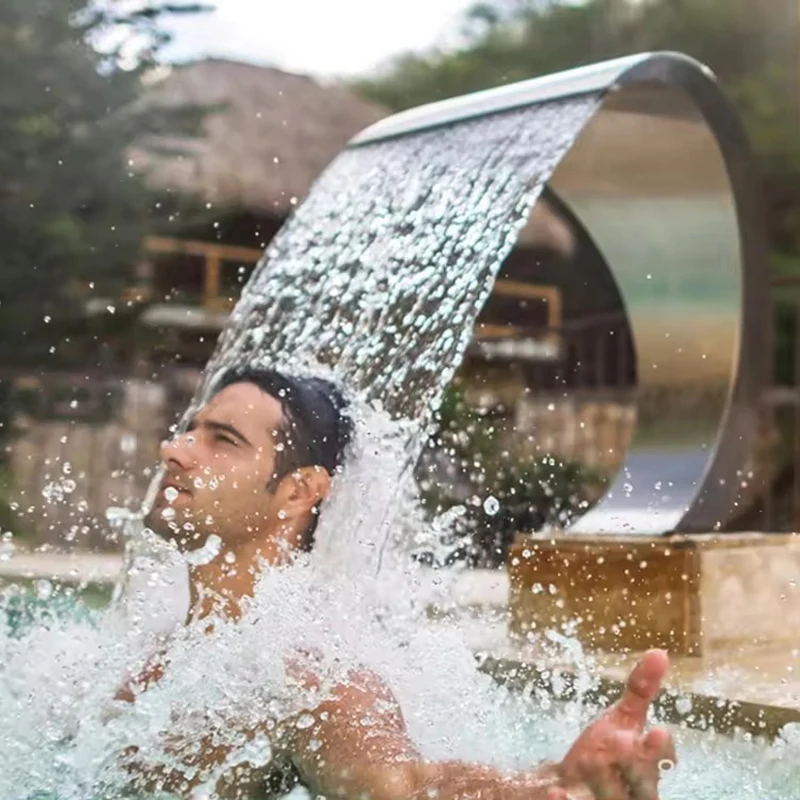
{"type": "Point", "coordinates": [171, 528]}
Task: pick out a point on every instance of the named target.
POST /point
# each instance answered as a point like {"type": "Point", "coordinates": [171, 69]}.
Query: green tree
{"type": "Point", "coordinates": [71, 212]}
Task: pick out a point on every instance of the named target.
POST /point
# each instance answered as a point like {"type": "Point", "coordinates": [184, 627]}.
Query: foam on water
{"type": "Point", "coordinates": [377, 280]}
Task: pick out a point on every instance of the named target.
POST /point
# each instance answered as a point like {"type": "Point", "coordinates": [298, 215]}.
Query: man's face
{"type": "Point", "coordinates": [218, 472]}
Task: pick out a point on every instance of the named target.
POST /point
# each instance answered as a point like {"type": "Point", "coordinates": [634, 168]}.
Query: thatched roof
{"type": "Point", "coordinates": [269, 135]}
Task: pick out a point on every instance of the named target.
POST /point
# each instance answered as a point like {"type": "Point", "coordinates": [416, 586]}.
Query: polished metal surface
{"type": "Point", "coordinates": [662, 179]}
{"type": "Point", "coordinates": [570, 83]}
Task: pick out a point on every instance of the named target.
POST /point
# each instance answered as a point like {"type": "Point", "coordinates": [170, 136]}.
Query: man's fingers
{"type": "Point", "coordinates": [655, 753]}
{"type": "Point", "coordinates": [572, 793]}
{"type": "Point", "coordinates": [599, 768]}
{"type": "Point", "coordinates": [659, 746]}
{"type": "Point", "coordinates": [643, 685]}
{"type": "Point", "coordinates": [607, 782]}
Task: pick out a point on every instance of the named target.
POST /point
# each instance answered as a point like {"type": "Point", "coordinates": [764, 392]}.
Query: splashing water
{"type": "Point", "coordinates": [378, 278]}
{"type": "Point", "coordinates": [383, 270]}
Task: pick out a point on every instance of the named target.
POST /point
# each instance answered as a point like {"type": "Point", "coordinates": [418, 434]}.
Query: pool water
{"type": "Point", "coordinates": [26, 603]}
{"type": "Point", "coordinates": [712, 766]}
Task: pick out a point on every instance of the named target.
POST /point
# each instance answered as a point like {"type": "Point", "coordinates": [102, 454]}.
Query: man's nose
{"type": "Point", "coordinates": [181, 450]}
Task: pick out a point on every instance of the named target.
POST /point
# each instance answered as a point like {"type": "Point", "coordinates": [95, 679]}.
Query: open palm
{"type": "Point", "coordinates": [615, 758]}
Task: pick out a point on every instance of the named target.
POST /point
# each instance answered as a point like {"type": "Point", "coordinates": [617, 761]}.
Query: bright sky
{"type": "Point", "coordinates": [334, 37]}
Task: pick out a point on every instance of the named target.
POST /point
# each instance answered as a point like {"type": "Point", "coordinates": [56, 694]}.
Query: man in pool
{"type": "Point", "coordinates": [253, 468]}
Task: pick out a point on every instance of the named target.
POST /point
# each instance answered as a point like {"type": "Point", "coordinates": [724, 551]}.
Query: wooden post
{"type": "Point", "coordinates": [212, 280]}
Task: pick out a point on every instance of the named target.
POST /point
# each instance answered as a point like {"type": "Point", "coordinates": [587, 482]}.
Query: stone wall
{"type": "Point", "coordinates": [693, 594]}
{"type": "Point", "coordinates": [594, 431]}
{"type": "Point", "coordinates": [71, 460]}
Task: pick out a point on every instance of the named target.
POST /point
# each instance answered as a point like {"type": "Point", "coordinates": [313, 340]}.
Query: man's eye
{"type": "Point", "coordinates": [221, 437]}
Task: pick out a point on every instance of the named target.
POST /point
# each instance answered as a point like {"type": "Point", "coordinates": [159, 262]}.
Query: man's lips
{"type": "Point", "coordinates": [170, 483]}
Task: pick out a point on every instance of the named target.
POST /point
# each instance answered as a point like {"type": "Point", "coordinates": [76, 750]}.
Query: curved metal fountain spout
{"type": "Point", "coordinates": [661, 177]}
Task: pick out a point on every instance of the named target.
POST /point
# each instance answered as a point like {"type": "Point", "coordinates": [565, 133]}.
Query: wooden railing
{"type": "Point", "coordinates": [213, 255]}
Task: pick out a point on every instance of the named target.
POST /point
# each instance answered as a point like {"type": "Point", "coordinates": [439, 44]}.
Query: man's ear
{"type": "Point", "coordinates": [302, 489]}
{"type": "Point", "coordinates": [314, 483]}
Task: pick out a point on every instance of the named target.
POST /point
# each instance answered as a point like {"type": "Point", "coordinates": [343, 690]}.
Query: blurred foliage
{"type": "Point", "coordinates": [752, 46]}
{"type": "Point", "coordinates": [471, 460]}
{"type": "Point", "coordinates": [72, 215]}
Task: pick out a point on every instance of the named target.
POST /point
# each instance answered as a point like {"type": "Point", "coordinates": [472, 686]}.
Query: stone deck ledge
{"type": "Point", "coordinates": [73, 567]}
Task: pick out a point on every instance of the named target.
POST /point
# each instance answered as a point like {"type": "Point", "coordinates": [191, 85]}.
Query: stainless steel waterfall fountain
{"type": "Point", "coordinates": [662, 179]}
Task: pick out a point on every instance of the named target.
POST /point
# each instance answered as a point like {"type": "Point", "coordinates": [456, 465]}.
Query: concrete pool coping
{"type": "Point", "coordinates": [755, 689]}
{"type": "Point", "coordinates": [69, 567]}
{"type": "Point", "coordinates": [677, 704]}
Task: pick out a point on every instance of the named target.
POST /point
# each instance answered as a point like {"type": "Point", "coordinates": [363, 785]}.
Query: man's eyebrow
{"type": "Point", "coordinates": [225, 428]}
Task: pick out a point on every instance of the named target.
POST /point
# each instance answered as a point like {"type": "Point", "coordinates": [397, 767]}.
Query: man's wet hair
{"type": "Point", "coordinates": [315, 429]}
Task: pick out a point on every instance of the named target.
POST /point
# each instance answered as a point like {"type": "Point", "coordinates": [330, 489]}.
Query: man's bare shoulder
{"type": "Point", "coordinates": [354, 718]}
{"type": "Point", "coordinates": [357, 691]}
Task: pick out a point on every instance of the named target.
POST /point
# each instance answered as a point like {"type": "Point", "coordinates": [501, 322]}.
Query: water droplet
{"type": "Point", "coordinates": [491, 505]}
{"type": "Point", "coordinates": [7, 548]}
{"type": "Point", "coordinates": [207, 553]}
{"type": "Point", "coordinates": [683, 705]}
{"type": "Point", "coordinates": [44, 589]}
{"type": "Point", "coordinates": [128, 443]}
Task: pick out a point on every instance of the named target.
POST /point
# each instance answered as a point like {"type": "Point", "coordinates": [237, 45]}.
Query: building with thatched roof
{"type": "Point", "coordinates": [265, 136]}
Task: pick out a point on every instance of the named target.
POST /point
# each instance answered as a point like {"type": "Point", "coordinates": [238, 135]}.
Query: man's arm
{"type": "Point", "coordinates": [357, 745]}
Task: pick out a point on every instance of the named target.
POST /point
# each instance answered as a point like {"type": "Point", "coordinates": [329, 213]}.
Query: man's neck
{"type": "Point", "coordinates": [220, 586]}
